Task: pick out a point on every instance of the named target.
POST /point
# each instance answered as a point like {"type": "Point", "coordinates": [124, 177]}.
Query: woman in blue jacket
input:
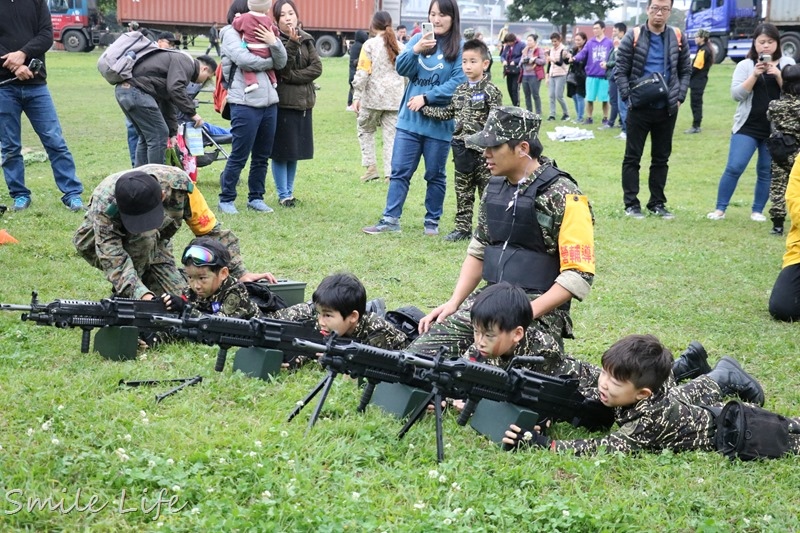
{"type": "Point", "coordinates": [432, 64]}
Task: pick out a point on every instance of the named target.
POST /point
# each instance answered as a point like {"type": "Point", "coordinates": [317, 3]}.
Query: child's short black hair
{"type": "Point", "coordinates": [206, 252]}
{"type": "Point", "coordinates": [342, 292]}
{"type": "Point", "coordinates": [791, 79]}
{"type": "Point", "coordinates": [640, 359]}
{"type": "Point", "coordinates": [478, 46]}
{"type": "Point", "coordinates": [503, 305]}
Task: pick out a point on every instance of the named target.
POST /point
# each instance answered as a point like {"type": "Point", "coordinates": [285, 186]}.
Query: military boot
{"type": "Point", "coordinates": [370, 174]}
{"type": "Point", "coordinates": [692, 362]}
{"type": "Point", "coordinates": [736, 382]}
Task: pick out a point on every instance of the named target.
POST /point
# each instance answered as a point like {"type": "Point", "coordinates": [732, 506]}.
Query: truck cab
{"type": "Point", "coordinates": [75, 23]}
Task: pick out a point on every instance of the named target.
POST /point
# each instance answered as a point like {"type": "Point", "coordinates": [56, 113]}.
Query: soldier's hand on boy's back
{"type": "Point", "coordinates": [437, 315]}
{"type": "Point", "coordinates": [252, 276]}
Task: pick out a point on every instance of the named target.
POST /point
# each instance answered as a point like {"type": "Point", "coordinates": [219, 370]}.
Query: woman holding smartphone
{"type": "Point", "coordinates": [432, 63]}
{"type": "Point", "coordinates": [756, 82]}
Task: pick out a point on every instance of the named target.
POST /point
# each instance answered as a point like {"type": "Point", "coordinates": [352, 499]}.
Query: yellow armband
{"type": "Point", "coordinates": [576, 238]}
{"type": "Point", "coordinates": [202, 219]}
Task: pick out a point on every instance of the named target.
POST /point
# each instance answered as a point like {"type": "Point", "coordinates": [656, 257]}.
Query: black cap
{"type": "Point", "coordinates": [168, 36]}
{"type": "Point", "coordinates": [139, 201]}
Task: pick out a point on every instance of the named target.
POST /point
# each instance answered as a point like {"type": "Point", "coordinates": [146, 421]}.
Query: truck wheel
{"type": "Point", "coordinates": [74, 41]}
{"type": "Point", "coordinates": [720, 50]}
{"type": "Point", "coordinates": [790, 45]}
{"type": "Point", "coordinates": [328, 46]}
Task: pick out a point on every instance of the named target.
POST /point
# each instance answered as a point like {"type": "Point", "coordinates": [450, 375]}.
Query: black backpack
{"type": "Point", "coordinates": [748, 432]}
{"type": "Point", "coordinates": [266, 300]}
{"type": "Point", "coordinates": [406, 319]}
{"type": "Point", "coordinates": [782, 146]}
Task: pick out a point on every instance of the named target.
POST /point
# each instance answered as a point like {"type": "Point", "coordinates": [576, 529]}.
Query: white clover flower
{"type": "Point", "coordinates": [142, 414]}
{"type": "Point", "coordinates": [60, 407]}
{"type": "Point", "coordinates": [433, 474]}
{"type": "Point", "coordinates": [299, 403]}
{"type": "Point", "coordinates": [565, 512]}
{"type": "Point", "coordinates": [259, 465]}
{"type": "Point", "coordinates": [160, 524]}
{"type": "Point", "coordinates": [252, 454]}
{"type": "Point", "coordinates": [419, 505]}
{"type": "Point", "coordinates": [284, 434]}
{"type": "Point", "coordinates": [700, 480]}
{"type": "Point", "coordinates": [456, 486]}
{"type": "Point", "coordinates": [447, 521]}
{"type": "Point", "coordinates": [410, 446]}
{"type": "Point", "coordinates": [257, 444]}
{"type": "Point", "coordinates": [457, 509]}
{"type": "Point", "coordinates": [746, 521]}
{"type": "Point", "coordinates": [356, 495]}
{"type": "Point", "coordinates": [290, 462]}
{"type": "Point", "coordinates": [53, 441]}
{"type": "Point", "coordinates": [151, 463]}
{"type": "Point", "coordinates": [222, 460]}
{"type": "Point", "coordinates": [29, 432]}
{"type": "Point", "coordinates": [170, 462]}
{"type": "Point", "coordinates": [210, 490]}
{"type": "Point", "coordinates": [127, 437]}
{"type": "Point", "coordinates": [120, 450]}
{"type": "Point", "coordinates": [47, 425]}
{"type": "Point", "coordinates": [143, 356]}
{"type": "Point", "coordinates": [145, 420]}
{"type": "Point", "coordinates": [1, 446]}
{"type": "Point", "coordinates": [766, 518]}
{"type": "Point", "coordinates": [266, 494]}
{"type": "Point", "coordinates": [195, 510]}
{"type": "Point", "coordinates": [176, 488]}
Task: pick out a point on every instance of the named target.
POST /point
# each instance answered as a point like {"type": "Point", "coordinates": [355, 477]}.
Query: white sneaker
{"type": "Point", "coordinates": [716, 215]}
{"type": "Point", "coordinates": [757, 217]}
{"type": "Point", "coordinates": [622, 136]}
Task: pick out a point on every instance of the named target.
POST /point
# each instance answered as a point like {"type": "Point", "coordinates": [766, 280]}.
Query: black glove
{"type": "Point", "coordinates": [526, 439]}
{"type": "Point", "coordinates": [174, 302]}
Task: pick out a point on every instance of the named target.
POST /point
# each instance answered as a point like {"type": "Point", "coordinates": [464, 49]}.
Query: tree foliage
{"type": "Point", "coordinates": [560, 13]}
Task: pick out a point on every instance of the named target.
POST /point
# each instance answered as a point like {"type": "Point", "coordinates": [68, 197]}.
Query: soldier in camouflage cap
{"type": "Point", "coordinates": [133, 246]}
{"type": "Point", "coordinates": [535, 230]}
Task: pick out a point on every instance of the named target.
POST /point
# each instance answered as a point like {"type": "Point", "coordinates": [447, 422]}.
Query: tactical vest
{"type": "Point", "coordinates": [516, 250]}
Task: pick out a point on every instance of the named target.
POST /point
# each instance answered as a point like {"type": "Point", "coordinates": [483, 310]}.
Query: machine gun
{"type": "Point", "coordinates": [358, 361]}
{"type": "Point", "coordinates": [227, 332]}
{"type": "Point", "coordinates": [89, 315]}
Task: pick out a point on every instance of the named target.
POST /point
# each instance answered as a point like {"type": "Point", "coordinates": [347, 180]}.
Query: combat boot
{"type": "Point", "coordinates": [370, 174]}
{"type": "Point", "coordinates": [733, 381]}
{"type": "Point", "coordinates": [693, 362]}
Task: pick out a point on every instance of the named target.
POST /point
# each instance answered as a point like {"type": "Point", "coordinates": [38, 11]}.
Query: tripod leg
{"type": "Point", "coordinates": [417, 414]}
{"type": "Point", "coordinates": [437, 406]}
{"type": "Point", "coordinates": [308, 398]}
{"type": "Point", "coordinates": [318, 408]}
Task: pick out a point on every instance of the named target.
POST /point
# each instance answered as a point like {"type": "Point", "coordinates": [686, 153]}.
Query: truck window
{"type": "Point", "coordinates": [700, 5]}
{"type": "Point", "coordinates": [60, 6]}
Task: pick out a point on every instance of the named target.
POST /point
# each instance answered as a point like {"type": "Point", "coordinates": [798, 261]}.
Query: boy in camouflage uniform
{"type": "Point", "coordinates": [339, 305]}
{"type": "Point", "coordinates": [534, 230]}
{"type": "Point", "coordinates": [470, 106]}
{"type": "Point", "coordinates": [785, 117]}
{"type": "Point", "coordinates": [651, 416]}
{"type": "Point", "coordinates": [212, 290]}
{"type": "Point", "coordinates": [128, 228]}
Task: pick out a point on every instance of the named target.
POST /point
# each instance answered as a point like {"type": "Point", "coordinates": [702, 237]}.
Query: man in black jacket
{"type": "Point", "coordinates": [26, 33]}
{"type": "Point", "coordinates": [645, 50]}
{"type": "Point", "coordinates": [155, 94]}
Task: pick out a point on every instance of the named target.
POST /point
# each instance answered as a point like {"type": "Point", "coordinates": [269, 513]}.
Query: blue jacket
{"type": "Point", "coordinates": [436, 78]}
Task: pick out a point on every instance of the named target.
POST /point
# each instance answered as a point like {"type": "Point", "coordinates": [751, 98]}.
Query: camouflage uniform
{"type": "Point", "coordinates": [370, 329]}
{"type": "Point", "coordinates": [785, 116]}
{"type": "Point", "coordinates": [527, 346]}
{"type": "Point", "coordinates": [137, 264]}
{"type": "Point", "coordinates": [230, 300]}
{"type": "Point", "coordinates": [674, 418]}
{"type": "Point", "coordinates": [470, 106]}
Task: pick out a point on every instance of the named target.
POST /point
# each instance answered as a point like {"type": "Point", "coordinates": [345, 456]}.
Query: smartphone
{"type": "Point", "coordinates": [427, 28]}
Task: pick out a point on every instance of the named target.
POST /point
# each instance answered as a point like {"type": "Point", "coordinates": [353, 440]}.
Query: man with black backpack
{"type": "Point", "coordinates": [155, 93]}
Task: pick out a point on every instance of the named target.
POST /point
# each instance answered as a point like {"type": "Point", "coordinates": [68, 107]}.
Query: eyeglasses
{"type": "Point", "coordinates": [665, 10]}
{"type": "Point", "coordinates": [199, 256]}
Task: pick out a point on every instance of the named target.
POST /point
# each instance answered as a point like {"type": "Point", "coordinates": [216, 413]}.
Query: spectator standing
{"type": "Point", "coordinates": [620, 29]}
{"type": "Point", "coordinates": [377, 93]}
{"type": "Point", "coordinates": [533, 61]}
{"type": "Point", "coordinates": [511, 56]}
{"type": "Point", "coordinates": [402, 35]}
{"type": "Point", "coordinates": [26, 33]}
{"type": "Point", "coordinates": [297, 96]}
{"type": "Point", "coordinates": [756, 82]}
{"type": "Point", "coordinates": [697, 84]}
{"type": "Point", "coordinates": [432, 64]}
{"type": "Point", "coordinates": [784, 114]}
{"type": "Point", "coordinates": [594, 54]}
{"type": "Point", "coordinates": [576, 79]}
{"type": "Point", "coordinates": [253, 115]}
{"type": "Point", "coordinates": [613, 96]}
{"type": "Point", "coordinates": [647, 49]}
{"type": "Point", "coordinates": [354, 53]}
{"type": "Point", "coordinates": [213, 39]}
{"type": "Point", "coordinates": [557, 67]}
{"type": "Point", "coordinates": [415, 30]}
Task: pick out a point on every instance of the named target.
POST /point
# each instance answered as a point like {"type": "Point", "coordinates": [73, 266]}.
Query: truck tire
{"type": "Point", "coordinates": [328, 46]}
{"type": "Point", "coordinates": [74, 41]}
{"type": "Point", "coordinates": [790, 45]}
{"type": "Point", "coordinates": [720, 49]}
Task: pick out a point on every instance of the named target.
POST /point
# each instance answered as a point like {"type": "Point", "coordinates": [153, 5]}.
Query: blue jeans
{"type": "Point", "coordinates": [580, 104]}
{"type": "Point", "coordinates": [741, 151]}
{"type": "Point", "coordinates": [253, 130]}
{"type": "Point", "coordinates": [36, 103]}
{"type": "Point", "coordinates": [613, 99]}
{"type": "Point", "coordinates": [143, 112]}
{"type": "Point", "coordinates": [283, 173]}
{"type": "Point", "coordinates": [408, 148]}
{"type": "Point", "coordinates": [623, 113]}
{"type": "Point", "coordinates": [133, 140]}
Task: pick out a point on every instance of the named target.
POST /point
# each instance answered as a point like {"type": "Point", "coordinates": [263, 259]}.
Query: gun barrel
{"type": "Point", "coordinates": [309, 346]}
{"type": "Point", "coordinates": [418, 361]}
{"type": "Point", "coordinates": [160, 319]}
{"type": "Point", "coordinates": [15, 307]}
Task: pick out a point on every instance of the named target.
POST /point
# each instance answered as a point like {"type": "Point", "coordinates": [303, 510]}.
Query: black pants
{"type": "Point", "coordinates": [697, 87]}
{"type": "Point", "coordinates": [512, 84]}
{"type": "Point", "coordinates": [660, 126]}
{"type": "Point", "coordinates": [784, 302]}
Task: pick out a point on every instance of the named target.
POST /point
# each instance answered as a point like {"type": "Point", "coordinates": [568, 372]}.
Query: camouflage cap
{"type": "Point", "coordinates": [469, 33]}
{"type": "Point", "coordinates": [507, 123]}
{"type": "Point", "coordinates": [705, 34]}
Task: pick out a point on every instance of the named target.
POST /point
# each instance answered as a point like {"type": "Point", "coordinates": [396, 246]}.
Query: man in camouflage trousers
{"type": "Point", "coordinates": [535, 230]}
{"type": "Point", "coordinates": [785, 117]}
{"type": "Point", "coordinates": [127, 231]}
{"type": "Point", "coordinates": [470, 106]}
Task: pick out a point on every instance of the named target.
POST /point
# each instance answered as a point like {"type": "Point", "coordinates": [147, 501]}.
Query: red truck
{"type": "Point", "coordinates": [330, 22]}
{"type": "Point", "coordinates": [77, 25]}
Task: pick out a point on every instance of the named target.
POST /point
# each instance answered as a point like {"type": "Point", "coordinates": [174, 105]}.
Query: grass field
{"type": "Point", "coordinates": [223, 451]}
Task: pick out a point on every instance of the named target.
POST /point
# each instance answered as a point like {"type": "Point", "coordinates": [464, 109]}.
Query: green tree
{"type": "Point", "coordinates": [560, 13]}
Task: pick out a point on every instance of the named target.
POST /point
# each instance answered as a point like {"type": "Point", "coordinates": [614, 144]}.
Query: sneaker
{"type": "Point", "coordinates": [551, 118]}
{"type": "Point", "coordinates": [605, 126]}
{"type": "Point", "coordinates": [757, 217]}
{"type": "Point", "coordinates": [661, 211]}
{"type": "Point", "coordinates": [588, 121]}
{"type": "Point", "coordinates": [693, 130]}
{"type": "Point", "coordinates": [381, 227]}
{"type": "Point", "coordinates": [457, 235]}
{"type": "Point", "coordinates": [634, 211]}
{"type": "Point", "coordinates": [622, 136]}
{"type": "Point", "coordinates": [76, 204]}
{"type": "Point", "coordinates": [605, 121]}
{"type": "Point", "coordinates": [776, 230]}
{"type": "Point", "coordinates": [564, 117]}
{"type": "Point", "coordinates": [287, 202]}
{"type": "Point", "coordinates": [259, 205]}
{"type": "Point", "coordinates": [716, 215]}
{"type": "Point", "coordinates": [431, 231]}
{"type": "Point", "coordinates": [21, 202]}
{"type": "Point", "coordinates": [228, 208]}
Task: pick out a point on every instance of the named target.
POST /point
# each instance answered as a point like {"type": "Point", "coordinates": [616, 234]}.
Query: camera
{"type": "Point", "coordinates": [764, 58]}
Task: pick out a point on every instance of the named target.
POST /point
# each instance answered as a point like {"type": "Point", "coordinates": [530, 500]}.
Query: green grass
{"type": "Point", "coordinates": [223, 448]}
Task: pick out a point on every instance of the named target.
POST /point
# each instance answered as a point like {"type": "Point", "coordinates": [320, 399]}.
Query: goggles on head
{"type": "Point", "coordinates": [200, 256]}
